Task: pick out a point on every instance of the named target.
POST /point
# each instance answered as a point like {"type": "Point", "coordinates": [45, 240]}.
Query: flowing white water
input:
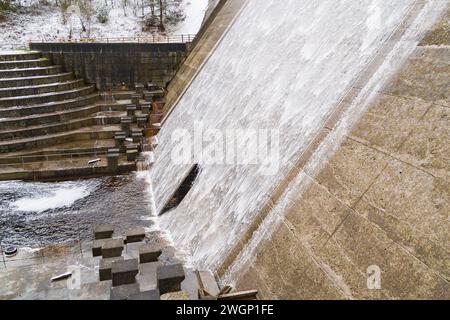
{"type": "Point", "coordinates": [281, 67]}
{"type": "Point", "coordinates": [57, 199]}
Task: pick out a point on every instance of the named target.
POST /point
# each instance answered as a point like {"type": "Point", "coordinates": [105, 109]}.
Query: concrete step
{"type": "Point", "coordinates": [90, 133]}
{"type": "Point", "coordinates": [28, 72]}
{"type": "Point", "coordinates": [24, 64]}
{"type": "Point", "coordinates": [55, 156]}
{"type": "Point", "coordinates": [19, 55]}
{"type": "Point", "coordinates": [35, 80]}
{"type": "Point", "coordinates": [41, 88]}
{"type": "Point", "coordinates": [46, 129]}
{"type": "Point", "coordinates": [85, 146]}
{"type": "Point", "coordinates": [23, 111]}
{"type": "Point", "coordinates": [46, 97]}
{"type": "Point", "coordinates": [64, 169]}
{"type": "Point", "coordinates": [47, 118]}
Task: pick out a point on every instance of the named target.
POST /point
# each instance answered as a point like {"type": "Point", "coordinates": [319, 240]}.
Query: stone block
{"type": "Point", "coordinates": [104, 231]}
{"type": "Point", "coordinates": [170, 278]}
{"type": "Point", "coordinates": [112, 248]}
{"type": "Point", "coordinates": [105, 268]}
{"type": "Point", "coordinates": [149, 253]}
{"type": "Point", "coordinates": [124, 292]}
{"type": "Point", "coordinates": [135, 235]}
{"type": "Point", "coordinates": [124, 272]}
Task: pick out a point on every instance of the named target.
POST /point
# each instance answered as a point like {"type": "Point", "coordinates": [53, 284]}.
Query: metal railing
{"type": "Point", "coordinates": [182, 38]}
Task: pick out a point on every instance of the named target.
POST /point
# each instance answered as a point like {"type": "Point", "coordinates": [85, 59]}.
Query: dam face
{"type": "Point", "coordinates": [304, 73]}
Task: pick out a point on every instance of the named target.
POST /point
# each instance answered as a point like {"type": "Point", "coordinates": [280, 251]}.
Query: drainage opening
{"type": "Point", "coordinates": [182, 190]}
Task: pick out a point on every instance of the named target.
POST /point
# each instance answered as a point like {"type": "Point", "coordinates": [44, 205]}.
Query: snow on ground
{"type": "Point", "coordinates": [195, 11]}
{"type": "Point", "coordinates": [44, 22]}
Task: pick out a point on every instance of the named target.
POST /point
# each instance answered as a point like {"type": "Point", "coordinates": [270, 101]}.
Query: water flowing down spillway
{"type": "Point", "coordinates": [282, 65]}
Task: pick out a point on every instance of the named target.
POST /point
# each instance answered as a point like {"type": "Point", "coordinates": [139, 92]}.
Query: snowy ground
{"type": "Point", "coordinates": [195, 11]}
{"type": "Point", "coordinates": [39, 22]}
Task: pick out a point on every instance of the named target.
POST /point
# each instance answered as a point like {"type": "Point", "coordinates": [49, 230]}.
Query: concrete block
{"type": "Point", "coordinates": [137, 137]}
{"type": "Point", "coordinates": [146, 108]}
{"type": "Point", "coordinates": [148, 97]}
{"type": "Point", "coordinates": [131, 110]}
{"type": "Point", "coordinates": [125, 124]}
{"type": "Point", "coordinates": [124, 272]}
{"type": "Point", "coordinates": [147, 295]}
{"type": "Point", "coordinates": [105, 268]}
{"type": "Point", "coordinates": [112, 248]}
{"type": "Point", "coordinates": [139, 88]}
{"type": "Point", "coordinates": [149, 253]}
{"type": "Point", "coordinates": [141, 121]}
{"type": "Point", "coordinates": [113, 161]}
{"type": "Point", "coordinates": [103, 231]}
{"type": "Point", "coordinates": [147, 277]}
{"type": "Point", "coordinates": [208, 282]}
{"type": "Point", "coordinates": [132, 155]}
{"type": "Point", "coordinates": [135, 235]}
{"type": "Point", "coordinates": [170, 278]}
{"type": "Point", "coordinates": [124, 292]}
{"type": "Point", "coordinates": [135, 99]}
{"type": "Point", "coordinates": [97, 247]}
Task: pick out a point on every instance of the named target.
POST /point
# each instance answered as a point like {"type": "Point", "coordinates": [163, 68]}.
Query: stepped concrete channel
{"type": "Point", "coordinates": [52, 124]}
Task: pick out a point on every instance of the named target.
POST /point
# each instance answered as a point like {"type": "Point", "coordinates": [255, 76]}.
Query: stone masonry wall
{"type": "Point", "coordinates": [107, 64]}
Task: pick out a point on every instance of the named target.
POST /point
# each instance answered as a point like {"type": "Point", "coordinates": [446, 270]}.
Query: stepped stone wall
{"type": "Point", "coordinates": [105, 64]}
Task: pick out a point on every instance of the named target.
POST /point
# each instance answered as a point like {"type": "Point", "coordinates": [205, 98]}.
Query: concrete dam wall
{"type": "Point", "coordinates": [358, 108]}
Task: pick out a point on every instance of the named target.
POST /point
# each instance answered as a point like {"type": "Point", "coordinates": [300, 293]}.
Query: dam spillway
{"type": "Point", "coordinates": [289, 68]}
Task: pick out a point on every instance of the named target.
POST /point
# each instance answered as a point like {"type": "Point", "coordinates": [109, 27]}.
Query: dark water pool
{"type": "Point", "coordinates": [38, 214]}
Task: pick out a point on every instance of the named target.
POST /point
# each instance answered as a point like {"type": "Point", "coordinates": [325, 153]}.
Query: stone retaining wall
{"type": "Point", "coordinates": [107, 64]}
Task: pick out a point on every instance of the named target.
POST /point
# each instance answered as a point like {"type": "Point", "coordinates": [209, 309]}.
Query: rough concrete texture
{"type": "Point", "coordinates": [383, 199]}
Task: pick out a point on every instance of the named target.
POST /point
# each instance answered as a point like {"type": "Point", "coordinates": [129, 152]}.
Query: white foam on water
{"type": "Point", "coordinates": [56, 199]}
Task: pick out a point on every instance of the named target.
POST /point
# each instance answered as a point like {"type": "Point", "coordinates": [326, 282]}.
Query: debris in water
{"type": "Point", "coordinates": [61, 276]}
